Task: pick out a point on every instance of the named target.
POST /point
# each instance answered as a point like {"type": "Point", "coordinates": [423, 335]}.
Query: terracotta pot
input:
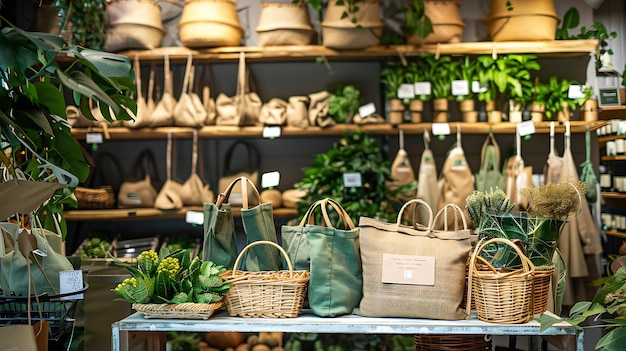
{"type": "Point", "coordinates": [590, 110]}
{"type": "Point", "coordinates": [466, 105]}
{"type": "Point", "coordinates": [416, 105]}
{"type": "Point", "coordinates": [440, 116]}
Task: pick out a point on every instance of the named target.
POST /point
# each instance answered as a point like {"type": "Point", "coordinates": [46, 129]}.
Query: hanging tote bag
{"type": "Point", "coordinates": [242, 109]}
{"type": "Point", "coordinates": [490, 174]}
{"type": "Point", "coordinates": [250, 170]}
{"type": "Point", "coordinates": [189, 110]}
{"type": "Point", "coordinates": [220, 242]}
{"type": "Point", "coordinates": [414, 271]}
{"type": "Point", "coordinates": [168, 197]}
{"type": "Point", "coordinates": [194, 192]}
{"type": "Point", "coordinates": [587, 172]}
{"type": "Point", "coordinates": [427, 189]}
{"type": "Point", "coordinates": [331, 255]}
{"type": "Point", "coordinates": [144, 106]}
{"type": "Point", "coordinates": [139, 189]}
{"type": "Point", "coordinates": [401, 171]}
{"type": "Point", "coordinates": [163, 114]}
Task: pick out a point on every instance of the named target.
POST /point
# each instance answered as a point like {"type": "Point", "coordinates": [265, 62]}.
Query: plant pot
{"type": "Point", "coordinates": [494, 116]}
{"type": "Point", "coordinates": [515, 111]}
{"type": "Point", "coordinates": [539, 236]}
{"type": "Point", "coordinates": [440, 104]}
{"type": "Point", "coordinates": [590, 110]}
{"type": "Point", "coordinates": [339, 32]}
{"type": "Point", "coordinates": [470, 116]}
{"type": "Point", "coordinates": [209, 23]}
{"type": "Point", "coordinates": [537, 112]}
{"type": "Point", "coordinates": [529, 20]}
{"type": "Point", "coordinates": [447, 23]}
{"type": "Point", "coordinates": [490, 105]}
{"type": "Point", "coordinates": [284, 24]}
{"type": "Point", "coordinates": [396, 111]}
{"type": "Point", "coordinates": [564, 114]}
{"type": "Point", "coordinates": [416, 107]}
{"type": "Point", "coordinates": [467, 105]}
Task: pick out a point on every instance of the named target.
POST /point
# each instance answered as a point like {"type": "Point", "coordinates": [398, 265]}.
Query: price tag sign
{"type": "Point", "coordinates": [367, 109]}
{"type": "Point", "coordinates": [441, 129]}
{"type": "Point", "coordinates": [526, 128]}
{"type": "Point", "coordinates": [406, 91]}
{"type": "Point", "coordinates": [478, 87]}
{"type": "Point", "coordinates": [422, 88]}
{"type": "Point", "coordinates": [194, 217]}
{"type": "Point", "coordinates": [575, 92]}
{"type": "Point", "coordinates": [270, 179]}
{"type": "Point", "coordinates": [271, 132]}
{"type": "Point", "coordinates": [352, 180]}
{"type": "Point", "coordinates": [460, 87]}
{"type": "Point", "coordinates": [70, 281]}
{"type": "Point", "coordinates": [94, 138]}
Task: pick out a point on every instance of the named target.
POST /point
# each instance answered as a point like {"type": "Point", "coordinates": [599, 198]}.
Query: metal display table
{"type": "Point", "coordinates": [135, 330]}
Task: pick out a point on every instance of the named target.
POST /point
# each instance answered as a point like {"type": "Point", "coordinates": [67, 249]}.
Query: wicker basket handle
{"type": "Point", "coordinates": [417, 203]}
{"type": "Point", "coordinates": [458, 212]}
{"type": "Point", "coordinates": [263, 242]}
{"type": "Point", "coordinates": [527, 265]}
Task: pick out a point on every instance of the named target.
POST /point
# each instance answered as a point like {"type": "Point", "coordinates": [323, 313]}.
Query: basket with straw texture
{"type": "Point", "coordinates": [187, 310]}
{"type": "Point", "coordinates": [268, 294]}
{"type": "Point", "coordinates": [503, 295]}
{"type": "Point", "coordinates": [452, 342]}
{"type": "Point", "coordinates": [541, 289]}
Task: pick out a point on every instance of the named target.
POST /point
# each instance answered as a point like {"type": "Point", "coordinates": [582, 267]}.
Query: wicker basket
{"type": "Point", "coordinates": [269, 294]}
{"type": "Point", "coordinates": [453, 342]}
{"type": "Point", "coordinates": [188, 310]}
{"type": "Point", "coordinates": [504, 295]}
{"type": "Point", "coordinates": [95, 198]}
{"type": "Point", "coordinates": [209, 23]}
{"type": "Point", "coordinates": [541, 290]}
{"type": "Point", "coordinates": [529, 20]}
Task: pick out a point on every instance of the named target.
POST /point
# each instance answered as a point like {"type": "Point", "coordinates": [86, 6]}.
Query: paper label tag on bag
{"type": "Point", "coordinates": [271, 132]}
{"type": "Point", "coordinates": [194, 217]}
{"type": "Point", "coordinates": [367, 109]}
{"type": "Point", "coordinates": [270, 179]}
{"type": "Point", "coordinates": [94, 138]}
{"type": "Point", "coordinates": [406, 91]}
{"type": "Point", "coordinates": [352, 180]}
{"type": "Point", "coordinates": [408, 269]}
{"type": "Point", "coordinates": [70, 281]}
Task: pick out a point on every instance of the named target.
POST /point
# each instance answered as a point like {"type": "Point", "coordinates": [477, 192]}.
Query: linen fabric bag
{"type": "Point", "coordinates": [427, 189]}
{"type": "Point", "coordinates": [413, 271]}
{"type": "Point", "coordinates": [298, 111]}
{"type": "Point", "coordinates": [139, 188]}
{"type": "Point", "coordinates": [163, 113]}
{"type": "Point", "coordinates": [242, 109]}
{"type": "Point", "coordinates": [194, 191]}
{"type": "Point", "coordinates": [274, 112]}
{"type": "Point", "coordinates": [168, 198]}
{"type": "Point", "coordinates": [189, 111]}
{"type": "Point", "coordinates": [250, 170]}
{"type": "Point", "coordinates": [331, 255]}
{"type": "Point", "coordinates": [490, 175]}
{"type": "Point", "coordinates": [220, 241]}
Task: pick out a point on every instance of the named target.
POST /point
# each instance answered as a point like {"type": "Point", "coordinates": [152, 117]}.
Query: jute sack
{"type": "Point", "coordinates": [414, 271]}
{"type": "Point", "coordinates": [133, 24]}
{"type": "Point", "coordinates": [284, 24]}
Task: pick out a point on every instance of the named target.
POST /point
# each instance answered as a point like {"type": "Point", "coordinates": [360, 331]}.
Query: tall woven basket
{"type": "Point", "coordinates": [268, 294]}
{"type": "Point", "coordinates": [503, 295]}
{"type": "Point", "coordinates": [528, 20]}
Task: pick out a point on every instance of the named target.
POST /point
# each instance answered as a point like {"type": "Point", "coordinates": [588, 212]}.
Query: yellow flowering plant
{"type": "Point", "coordinates": [171, 277]}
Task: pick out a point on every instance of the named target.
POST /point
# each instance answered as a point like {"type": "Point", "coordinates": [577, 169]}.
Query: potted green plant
{"type": "Point", "coordinates": [466, 74]}
{"type": "Point", "coordinates": [443, 70]}
{"type": "Point", "coordinates": [487, 92]}
{"type": "Point", "coordinates": [354, 153]}
{"type": "Point", "coordinates": [345, 100]}
{"type": "Point", "coordinates": [36, 70]}
{"type": "Point", "coordinates": [597, 30]}
{"type": "Point", "coordinates": [553, 96]}
{"type": "Point", "coordinates": [513, 80]}
{"type": "Point", "coordinates": [393, 76]}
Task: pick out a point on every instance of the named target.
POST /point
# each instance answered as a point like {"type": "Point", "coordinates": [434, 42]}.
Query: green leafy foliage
{"type": "Point", "coordinates": [86, 21]}
{"type": "Point", "coordinates": [172, 277]}
{"type": "Point", "coordinates": [345, 101]}
{"type": "Point", "coordinates": [393, 75]}
{"type": "Point", "coordinates": [355, 152]}
{"type": "Point", "coordinates": [415, 19]}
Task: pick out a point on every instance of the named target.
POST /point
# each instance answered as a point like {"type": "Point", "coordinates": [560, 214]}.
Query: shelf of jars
{"type": "Point", "coordinates": [560, 48]}
{"type": "Point", "coordinates": [217, 132]}
{"type": "Point", "coordinates": [612, 112]}
{"type": "Point", "coordinates": [153, 213]}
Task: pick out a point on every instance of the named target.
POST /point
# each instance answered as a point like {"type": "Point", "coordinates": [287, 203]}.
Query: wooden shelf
{"type": "Point", "coordinates": [217, 132]}
{"type": "Point", "coordinates": [560, 48]}
{"type": "Point", "coordinates": [612, 112]}
{"type": "Point", "coordinates": [614, 195]}
{"type": "Point", "coordinates": [613, 158]}
{"type": "Point", "coordinates": [153, 213]}
{"type": "Point", "coordinates": [615, 233]}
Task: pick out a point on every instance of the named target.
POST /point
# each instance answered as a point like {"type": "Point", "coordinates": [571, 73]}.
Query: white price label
{"type": "Point", "coordinates": [367, 109]}
{"type": "Point", "coordinates": [352, 180]}
{"type": "Point", "coordinates": [422, 88]}
{"type": "Point", "coordinates": [575, 92]}
{"type": "Point", "coordinates": [270, 179]}
{"type": "Point", "coordinates": [271, 132]}
{"type": "Point", "coordinates": [526, 128]}
{"type": "Point", "coordinates": [460, 87]}
{"type": "Point", "coordinates": [441, 129]}
{"type": "Point", "coordinates": [94, 138]}
{"type": "Point", "coordinates": [406, 91]}
{"type": "Point", "coordinates": [478, 87]}
{"type": "Point", "coordinates": [194, 217]}
{"type": "Point", "coordinates": [70, 281]}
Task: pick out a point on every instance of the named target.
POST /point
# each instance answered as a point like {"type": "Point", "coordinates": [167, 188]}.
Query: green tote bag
{"type": "Point", "coordinates": [294, 240]}
{"type": "Point", "coordinates": [336, 282]}
{"type": "Point", "coordinates": [489, 176]}
{"type": "Point", "coordinates": [220, 240]}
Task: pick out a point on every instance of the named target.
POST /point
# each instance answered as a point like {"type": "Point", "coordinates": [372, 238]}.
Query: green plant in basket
{"type": "Point", "coordinates": [171, 277]}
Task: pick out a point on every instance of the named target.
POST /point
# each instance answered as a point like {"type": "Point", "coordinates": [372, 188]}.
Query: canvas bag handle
{"type": "Point", "coordinates": [223, 197]}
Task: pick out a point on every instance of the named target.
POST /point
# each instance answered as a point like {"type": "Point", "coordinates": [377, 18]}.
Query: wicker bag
{"type": "Point", "coordinates": [529, 20]}
{"type": "Point", "coordinates": [133, 24]}
{"type": "Point", "coordinates": [340, 32]}
{"type": "Point", "coordinates": [502, 295]}
{"type": "Point", "coordinates": [267, 294]}
{"type": "Point", "coordinates": [284, 24]}
{"type": "Point", "coordinates": [209, 23]}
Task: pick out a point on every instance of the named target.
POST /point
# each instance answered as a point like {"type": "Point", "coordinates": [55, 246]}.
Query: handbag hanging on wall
{"type": "Point", "coordinates": [163, 114]}
{"type": "Point", "coordinates": [168, 197]}
{"type": "Point", "coordinates": [100, 191]}
{"type": "Point", "coordinates": [193, 191]}
{"type": "Point", "coordinates": [220, 240]}
{"type": "Point", "coordinates": [587, 172]}
{"type": "Point", "coordinates": [250, 169]}
{"type": "Point", "coordinates": [189, 110]}
{"type": "Point", "coordinates": [490, 175]}
{"type": "Point", "coordinates": [139, 189]}
{"type": "Point", "coordinates": [331, 255]}
{"type": "Point", "coordinates": [395, 286]}
{"type": "Point", "coordinates": [242, 109]}
{"type": "Point", "coordinates": [145, 107]}
{"type": "Point", "coordinates": [401, 171]}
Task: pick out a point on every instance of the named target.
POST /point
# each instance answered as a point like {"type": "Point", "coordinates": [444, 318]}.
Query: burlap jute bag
{"type": "Point", "coordinates": [414, 271]}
